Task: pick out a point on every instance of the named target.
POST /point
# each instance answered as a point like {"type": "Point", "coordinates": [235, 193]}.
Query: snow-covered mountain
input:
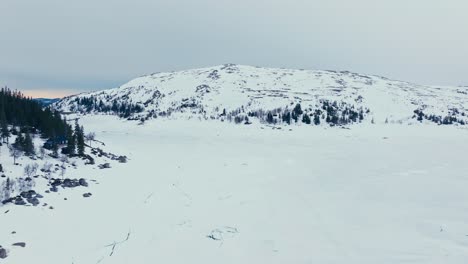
{"type": "Point", "coordinates": [46, 101]}
{"type": "Point", "coordinates": [230, 91]}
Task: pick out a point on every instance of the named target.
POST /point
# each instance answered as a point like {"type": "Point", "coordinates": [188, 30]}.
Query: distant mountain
{"type": "Point", "coordinates": [245, 93]}
{"type": "Point", "coordinates": [46, 101]}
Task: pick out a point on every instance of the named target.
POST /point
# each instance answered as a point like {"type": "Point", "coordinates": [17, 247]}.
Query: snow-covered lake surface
{"type": "Point", "coordinates": [213, 192]}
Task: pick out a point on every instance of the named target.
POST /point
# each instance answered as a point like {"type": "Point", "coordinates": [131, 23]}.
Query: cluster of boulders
{"type": "Point", "coordinates": [101, 153]}
{"type": "Point", "coordinates": [104, 166]}
{"type": "Point", "coordinates": [67, 183]}
{"type": "Point", "coordinates": [32, 197]}
{"type": "Point", "coordinates": [24, 198]}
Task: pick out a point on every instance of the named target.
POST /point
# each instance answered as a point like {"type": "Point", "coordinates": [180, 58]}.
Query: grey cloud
{"type": "Point", "coordinates": [89, 44]}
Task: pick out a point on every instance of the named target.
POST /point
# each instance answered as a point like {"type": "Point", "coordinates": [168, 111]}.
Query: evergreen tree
{"type": "Point", "coordinates": [5, 133]}
{"type": "Point", "coordinates": [270, 119]}
{"type": "Point", "coordinates": [361, 115]}
{"type": "Point", "coordinates": [298, 110]}
{"type": "Point", "coordinates": [317, 119]}
{"type": "Point", "coordinates": [306, 119]}
{"type": "Point", "coordinates": [55, 149]}
{"type": "Point", "coordinates": [79, 135]}
{"type": "Point", "coordinates": [294, 116]}
{"type": "Point", "coordinates": [287, 117]}
{"type": "Point", "coordinates": [19, 142]}
{"type": "Point", "coordinates": [28, 145]}
{"type": "Point", "coordinates": [71, 142]}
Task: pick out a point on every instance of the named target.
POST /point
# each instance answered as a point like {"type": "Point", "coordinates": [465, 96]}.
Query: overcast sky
{"type": "Point", "coordinates": [68, 46]}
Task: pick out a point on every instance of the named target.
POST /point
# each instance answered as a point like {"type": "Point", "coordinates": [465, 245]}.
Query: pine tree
{"type": "Point", "coordinates": [306, 119]}
{"type": "Point", "coordinates": [317, 119]}
{"type": "Point", "coordinates": [5, 133]}
{"type": "Point", "coordinates": [270, 119]}
{"type": "Point", "coordinates": [361, 115]}
{"type": "Point", "coordinates": [19, 142]}
{"type": "Point", "coordinates": [28, 145]}
{"type": "Point", "coordinates": [298, 110]}
{"type": "Point", "coordinates": [55, 149]}
{"type": "Point", "coordinates": [79, 135]}
{"type": "Point", "coordinates": [294, 116]}
{"type": "Point", "coordinates": [71, 142]}
{"type": "Point", "coordinates": [287, 117]}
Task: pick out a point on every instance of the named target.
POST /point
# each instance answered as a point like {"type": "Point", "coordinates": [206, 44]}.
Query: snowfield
{"type": "Point", "coordinates": [213, 192]}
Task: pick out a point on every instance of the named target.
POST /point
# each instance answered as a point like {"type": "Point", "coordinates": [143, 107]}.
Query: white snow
{"type": "Point", "coordinates": [212, 192]}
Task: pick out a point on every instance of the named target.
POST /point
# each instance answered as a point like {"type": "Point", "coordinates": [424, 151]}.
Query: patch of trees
{"type": "Point", "coordinates": [75, 141]}
{"type": "Point", "coordinates": [24, 143]}
{"type": "Point", "coordinates": [332, 113]}
{"type": "Point", "coordinates": [122, 109]}
{"type": "Point", "coordinates": [454, 116]}
{"type": "Point", "coordinates": [24, 119]}
{"type": "Point", "coordinates": [20, 111]}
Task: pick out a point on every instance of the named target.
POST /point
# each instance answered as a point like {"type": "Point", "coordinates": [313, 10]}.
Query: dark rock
{"type": "Point", "coordinates": [39, 196]}
{"type": "Point", "coordinates": [3, 253]}
{"type": "Point", "coordinates": [70, 183]}
{"type": "Point", "coordinates": [104, 166]}
{"type": "Point", "coordinates": [28, 194]}
{"type": "Point", "coordinates": [86, 195]}
{"type": "Point", "coordinates": [54, 189]}
{"type": "Point", "coordinates": [19, 244]}
{"type": "Point", "coordinates": [56, 182]}
{"type": "Point", "coordinates": [19, 201]}
{"type": "Point", "coordinates": [34, 201]}
{"type": "Point", "coordinates": [9, 200]}
{"type": "Point", "coordinates": [83, 182]}
{"type": "Point", "coordinates": [67, 183]}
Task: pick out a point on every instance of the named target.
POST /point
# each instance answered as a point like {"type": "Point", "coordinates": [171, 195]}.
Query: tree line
{"type": "Point", "coordinates": [23, 117]}
{"type": "Point", "coordinates": [332, 113]}
{"type": "Point", "coordinates": [122, 109]}
{"type": "Point", "coordinates": [20, 111]}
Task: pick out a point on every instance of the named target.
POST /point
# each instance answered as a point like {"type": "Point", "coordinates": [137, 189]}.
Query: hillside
{"type": "Point", "coordinates": [230, 91]}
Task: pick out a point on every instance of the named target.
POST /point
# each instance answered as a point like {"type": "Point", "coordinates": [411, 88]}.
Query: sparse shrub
{"type": "Point", "coordinates": [30, 169]}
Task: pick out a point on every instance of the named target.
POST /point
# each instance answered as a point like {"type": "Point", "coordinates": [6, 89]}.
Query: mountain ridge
{"type": "Point", "coordinates": [229, 91]}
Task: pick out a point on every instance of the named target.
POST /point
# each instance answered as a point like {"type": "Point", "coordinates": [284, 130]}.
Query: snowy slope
{"type": "Point", "coordinates": [210, 192]}
{"type": "Point", "coordinates": [242, 89]}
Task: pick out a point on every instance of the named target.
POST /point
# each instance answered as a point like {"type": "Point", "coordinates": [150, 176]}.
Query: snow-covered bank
{"type": "Point", "coordinates": [212, 192]}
